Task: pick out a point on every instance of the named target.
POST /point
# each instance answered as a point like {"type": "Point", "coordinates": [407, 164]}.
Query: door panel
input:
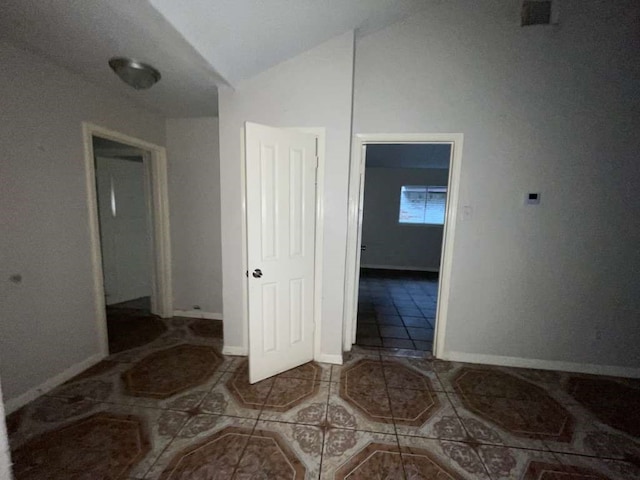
{"type": "Point", "coordinates": [280, 173]}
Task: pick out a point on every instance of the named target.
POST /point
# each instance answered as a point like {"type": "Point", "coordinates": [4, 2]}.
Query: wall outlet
{"type": "Point", "coordinates": [532, 198]}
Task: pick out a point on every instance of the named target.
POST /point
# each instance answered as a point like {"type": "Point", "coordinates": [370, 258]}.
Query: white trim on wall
{"type": "Point", "coordinates": [355, 220]}
{"type": "Point", "coordinates": [16, 402]}
{"type": "Point", "coordinates": [162, 292]}
{"type": "Point", "coordinates": [197, 314]}
{"type": "Point", "coordinates": [518, 362]}
{"type": "Point", "coordinates": [320, 134]}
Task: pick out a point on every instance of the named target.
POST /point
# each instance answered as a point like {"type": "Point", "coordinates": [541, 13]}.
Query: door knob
{"type": "Point", "coordinates": [257, 273]}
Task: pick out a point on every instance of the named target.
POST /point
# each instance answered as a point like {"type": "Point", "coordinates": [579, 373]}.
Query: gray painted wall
{"type": "Point", "coordinates": [389, 243]}
{"type": "Point", "coordinates": [543, 109]}
{"type": "Point", "coordinates": [194, 198]}
{"type": "Point", "coordinates": [48, 320]}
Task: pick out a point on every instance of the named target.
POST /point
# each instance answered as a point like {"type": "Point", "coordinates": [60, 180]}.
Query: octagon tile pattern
{"type": "Point", "coordinates": [615, 403]}
{"type": "Point", "coordinates": [248, 453]}
{"type": "Point", "coordinates": [277, 395]}
{"type": "Point", "coordinates": [267, 455]}
{"type": "Point", "coordinates": [397, 375]}
{"type": "Point", "coordinates": [380, 414]}
{"type": "Point", "coordinates": [375, 460]}
{"type": "Point", "coordinates": [380, 460]}
{"type": "Point", "coordinates": [286, 393]}
{"type": "Point", "coordinates": [548, 471]}
{"type": "Point", "coordinates": [170, 371]}
{"type": "Point", "coordinates": [420, 463]}
{"type": "Point", "coordinates": [517, 406]}
{"type": "Point", "coordinates": [104, 444]}
{"type": "Point", "coordinates": [364, 386]}
{"type": "Point", "coordinates": [216, 455]}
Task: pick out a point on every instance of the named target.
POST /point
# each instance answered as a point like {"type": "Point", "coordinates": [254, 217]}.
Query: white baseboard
{"type": "Point", "coordinates": [594, 369]}
{"type": "Point", "coordinates": [239, 351]}
{"type": "Point", "coordinates": [15, 403]}
{"type": "Point", "coordinates": [408, 269]}
{"type": "Point", "coordinates": [329, 358]}
{"type": "Point", "coordinates": [197, 314]}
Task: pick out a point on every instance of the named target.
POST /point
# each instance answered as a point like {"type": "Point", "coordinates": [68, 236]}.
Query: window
{"type": "Point", "coordinates": [422, 205]}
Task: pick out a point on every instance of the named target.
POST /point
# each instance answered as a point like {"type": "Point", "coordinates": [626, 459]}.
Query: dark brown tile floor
{"type": "Point", "coordinates": [176, 408]}
{"type": "Point", "coordinates": [396, 309]}
{"type": "Point", "coordinates": [130, 324]}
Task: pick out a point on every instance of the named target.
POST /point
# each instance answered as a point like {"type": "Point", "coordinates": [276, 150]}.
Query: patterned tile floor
{"type": "Point", "coordinates": [178, 409]}
{"type": "Point", "coordinates": [396, 309]}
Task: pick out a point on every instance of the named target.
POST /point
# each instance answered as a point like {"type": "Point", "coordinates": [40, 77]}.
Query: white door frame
{"type": "Point", "coordinates": [156, 158]}
{"type": "Point", "coordinates": [355, 227]}
{"type": "Point", "coordinates": [320, 133]}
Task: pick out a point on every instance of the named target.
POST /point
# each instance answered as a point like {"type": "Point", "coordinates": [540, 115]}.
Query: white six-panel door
{"type": "Point", "coordinates": [280, 190]}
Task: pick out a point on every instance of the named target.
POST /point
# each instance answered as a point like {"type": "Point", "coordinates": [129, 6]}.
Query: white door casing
{"type": "Point", "coordinates": [158, 198]}
{"type": "Point", "coordinates": [281, 200]}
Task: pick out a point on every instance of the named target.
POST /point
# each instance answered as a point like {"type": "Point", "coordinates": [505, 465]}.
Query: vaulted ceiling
{"type": "Point", "coordinates": [196, 44]}
{"type": "Point", "coordinates": [81, 35]}
{"type": "Point", "coordinates": [241, 38]}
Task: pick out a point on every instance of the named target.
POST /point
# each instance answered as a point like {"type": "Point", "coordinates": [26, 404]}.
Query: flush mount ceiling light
{"type": "Point", "coordinates": [134, 73]}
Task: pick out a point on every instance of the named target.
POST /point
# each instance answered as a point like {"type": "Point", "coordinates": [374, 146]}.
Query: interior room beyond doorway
{"type": "Point", "coordinates": [125, 220]}
{"type": "Point", "coordinates": [404, 211]}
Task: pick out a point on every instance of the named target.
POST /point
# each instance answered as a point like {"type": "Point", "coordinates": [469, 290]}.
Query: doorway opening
{"type": "Point", "coordinates": [404, 201]}
{"type": "Point", "coordinates": [124, 216]}
{"type": "Point", "coordinates": [403, 197]}
{"type": "Point", "coordinates": [128, 219]}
